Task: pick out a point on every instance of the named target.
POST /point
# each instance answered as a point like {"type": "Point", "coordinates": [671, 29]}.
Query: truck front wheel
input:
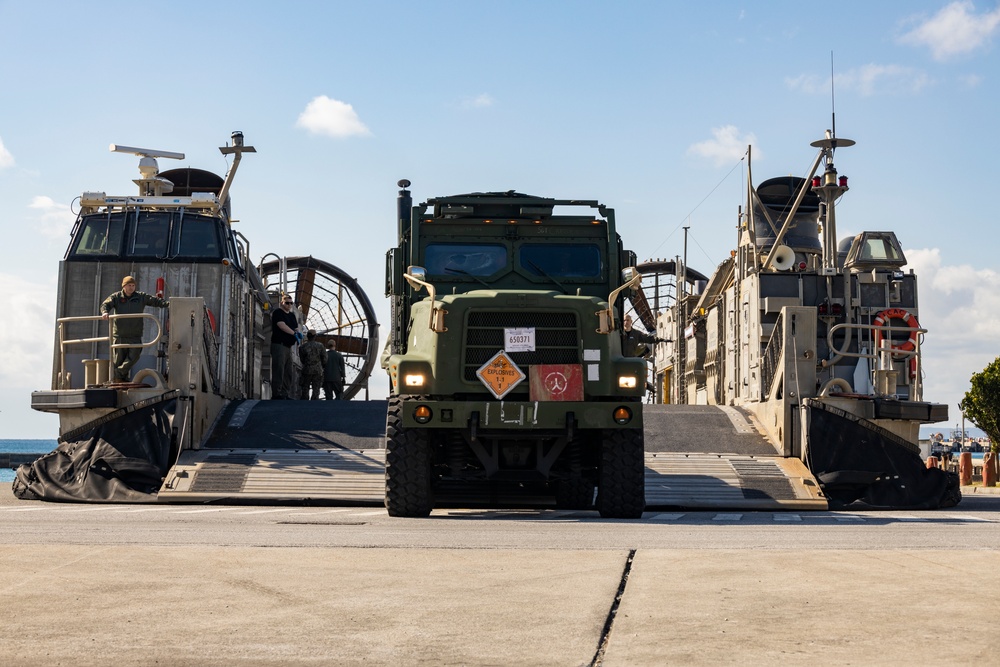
{"type": "Point", "coordinates": [621, 491]}
{"type": "Point", "coordinates": [408, 489]}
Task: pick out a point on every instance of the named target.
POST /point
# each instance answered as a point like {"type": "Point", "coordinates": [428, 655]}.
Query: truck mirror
{"type": "Point", "coordinates": [632, 278]}
{"type": "Point", "coordinates": [418, 272]}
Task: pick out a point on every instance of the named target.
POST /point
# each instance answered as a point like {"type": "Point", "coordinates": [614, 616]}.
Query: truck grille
{"type": "Point", "coordinates": [557, 338]}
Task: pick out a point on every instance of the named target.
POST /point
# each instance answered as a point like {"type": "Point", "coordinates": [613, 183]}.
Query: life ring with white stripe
{"type": "Point", "coordinates": [899, 314]}
{"type": "Point", "coordinates": [911, 343]}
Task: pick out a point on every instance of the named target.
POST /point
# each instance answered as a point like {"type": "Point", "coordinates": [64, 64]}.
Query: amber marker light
{"type": "Point", "coordinates": [622, 415]}
{"type": "Point", "coordinates": [422, 414]}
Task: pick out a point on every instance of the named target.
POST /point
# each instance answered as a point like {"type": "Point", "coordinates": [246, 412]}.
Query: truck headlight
{"type": "Point", "coordinates": [626, 382]}
{"type": "Point", "coordinates": [414, 380]}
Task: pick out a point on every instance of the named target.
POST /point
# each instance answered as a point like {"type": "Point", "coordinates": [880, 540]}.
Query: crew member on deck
{"type": "Point", "coordinates": [127, 330]}
{"type": "Point", "coordinates": [312, 354]}
{"type": "Point", "coordinates": [284, 334]}
{"type": "Point", "coordinates": [333, 377]}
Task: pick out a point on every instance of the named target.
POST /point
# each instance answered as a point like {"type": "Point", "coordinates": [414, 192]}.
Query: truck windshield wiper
{"type": "Point", "coordinates": [466, 273]}
{"type": "Point", "coordinates": [539, 269]}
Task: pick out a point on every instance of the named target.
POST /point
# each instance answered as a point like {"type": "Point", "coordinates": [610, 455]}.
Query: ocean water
{"type": "Point", "coordinates": [23, 446]}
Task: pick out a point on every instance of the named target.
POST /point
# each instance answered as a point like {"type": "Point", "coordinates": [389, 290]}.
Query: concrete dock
{"type": "Point", "coordinates": [208, 585]}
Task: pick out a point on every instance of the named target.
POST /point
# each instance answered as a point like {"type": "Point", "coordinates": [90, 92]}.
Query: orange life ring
{"type": "Point", "coordinates": [211, 320]}
{"type": "Point", "coordinates": [911, 343]}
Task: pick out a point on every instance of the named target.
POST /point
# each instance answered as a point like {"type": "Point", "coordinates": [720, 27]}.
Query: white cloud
{"type": "Point", "coordinates": [960, 308]}
{"type": "Point", "coordinates": [479, 102]}
{"type": "Point", "coordinates": [25, 340]}
{"type": "Point", "coordinates": [6, 159]}
{"type": "Point", "coordinates": [955, 30]}
{"type": "Point", "coordinates": [725, 147]}
{"type": "Point", "coordinates": [332, 118]}
{"type": "Point", "coordinates": [867, 80]}
{"type": "Point", "coordinates": [56, 219]}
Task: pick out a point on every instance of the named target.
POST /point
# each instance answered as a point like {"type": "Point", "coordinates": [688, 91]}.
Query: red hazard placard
{"type": "Point", "coordinates": [556, 382]}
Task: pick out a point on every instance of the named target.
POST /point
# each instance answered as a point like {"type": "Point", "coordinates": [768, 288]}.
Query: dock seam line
{"type": "Point", "coordinates": [602, 645]}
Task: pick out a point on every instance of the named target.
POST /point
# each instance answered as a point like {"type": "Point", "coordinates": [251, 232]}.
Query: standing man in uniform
{"type": "Point", "coordinates": [127, 330]}
{"type": "Point", "coordinates": [284, 334]}
{"type": "Point", "coordinates": [313, 357]}
{"type": "Point", "coordinates": [333, 377]}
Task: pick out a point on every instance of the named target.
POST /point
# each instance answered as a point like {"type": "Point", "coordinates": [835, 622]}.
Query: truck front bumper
{"type": "Point", "coordinates": [523, 415]}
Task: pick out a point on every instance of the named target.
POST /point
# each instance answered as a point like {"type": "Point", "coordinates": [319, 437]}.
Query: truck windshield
{"type": "Point", "coordinates": [561, 260]}
{"type": "Point", "coordinates": [470, 259]}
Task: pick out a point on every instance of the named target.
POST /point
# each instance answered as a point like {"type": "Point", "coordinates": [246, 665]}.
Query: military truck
{"type": "Point", "coordinates": [505, 356]}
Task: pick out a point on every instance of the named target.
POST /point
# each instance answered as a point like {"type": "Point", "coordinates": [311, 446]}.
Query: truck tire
{"type": "Point", "coordinates": [408, 490]}
{"type": "Point", "coordinates": [575, 493]}
{"type": "Point", "coordinates": [621, 490]}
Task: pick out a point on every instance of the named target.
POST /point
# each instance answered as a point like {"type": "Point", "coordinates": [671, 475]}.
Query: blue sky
{"type": "Point", "coordinates": [645, 106]}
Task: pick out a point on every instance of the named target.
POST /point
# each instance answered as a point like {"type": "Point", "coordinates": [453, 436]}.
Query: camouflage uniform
{"type": "Point", "coordinates": [128, 329]}
{"type": "Point", "coordinates": [333, 379]}
{"type": "Point", "coordinates": [313, 357]}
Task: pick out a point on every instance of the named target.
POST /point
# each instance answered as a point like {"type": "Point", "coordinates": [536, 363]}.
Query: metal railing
{"type": "Point", "coordinates": [884, 354]}
{"type": "Point", "coordinates": [772, 354]}
{"type": "Point", "coordinates": [63, 379]}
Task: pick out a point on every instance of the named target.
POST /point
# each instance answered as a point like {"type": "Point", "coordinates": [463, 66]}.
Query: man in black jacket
{"type": "Point", "coordinates": [636, 343]}
{"type": "Point", "coordinates": [284, 334]}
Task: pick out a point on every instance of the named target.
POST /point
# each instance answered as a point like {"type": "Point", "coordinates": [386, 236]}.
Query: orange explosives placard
{"type": "Point", "coordinates": [500, 374]}
{"type": "Point", "coordinates": [556, 382]}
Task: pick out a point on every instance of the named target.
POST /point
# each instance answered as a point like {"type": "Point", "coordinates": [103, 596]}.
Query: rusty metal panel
{"type": "Point", "coordinates": [556, 382]}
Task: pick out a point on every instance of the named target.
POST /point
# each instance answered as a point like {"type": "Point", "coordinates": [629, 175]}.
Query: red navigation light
{"type": "Point", "coordinates": [823, 310]}
{"type": "Point", "coordinates": [838, 309]}
{"type": "Point", "coordinates": [843, 181]}
{"type": "Point", "coordinates": [816, 181]}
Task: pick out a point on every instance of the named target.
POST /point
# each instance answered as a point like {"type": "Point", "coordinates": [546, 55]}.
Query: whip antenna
{"type": "Point", "coordinates": [833, 101]}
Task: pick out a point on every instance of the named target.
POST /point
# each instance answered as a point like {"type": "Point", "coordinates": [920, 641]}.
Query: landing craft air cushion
{"type": "Point", "coordinates": [818, 341]}
{"type": "Point", "coordinates": [191, 424]}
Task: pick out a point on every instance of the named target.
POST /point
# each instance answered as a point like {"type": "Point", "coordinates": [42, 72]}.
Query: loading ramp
{"type": "Point", "coordinates": [333, 452]}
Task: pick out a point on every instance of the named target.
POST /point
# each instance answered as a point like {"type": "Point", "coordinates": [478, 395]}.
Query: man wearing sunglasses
{"type": "Point", "coordinates": [284, 326]}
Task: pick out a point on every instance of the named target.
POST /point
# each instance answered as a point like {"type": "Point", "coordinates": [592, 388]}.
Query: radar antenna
{"type": "Point", "coordinates": [150, 185]}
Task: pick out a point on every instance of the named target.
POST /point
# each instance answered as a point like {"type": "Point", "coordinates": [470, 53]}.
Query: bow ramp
{"type": "Point", "coordinates": [333, 451]}
{"type": "Point", "coordinates": [706, 456]}
{"type": "Point", "coordinates": [286, 450]}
